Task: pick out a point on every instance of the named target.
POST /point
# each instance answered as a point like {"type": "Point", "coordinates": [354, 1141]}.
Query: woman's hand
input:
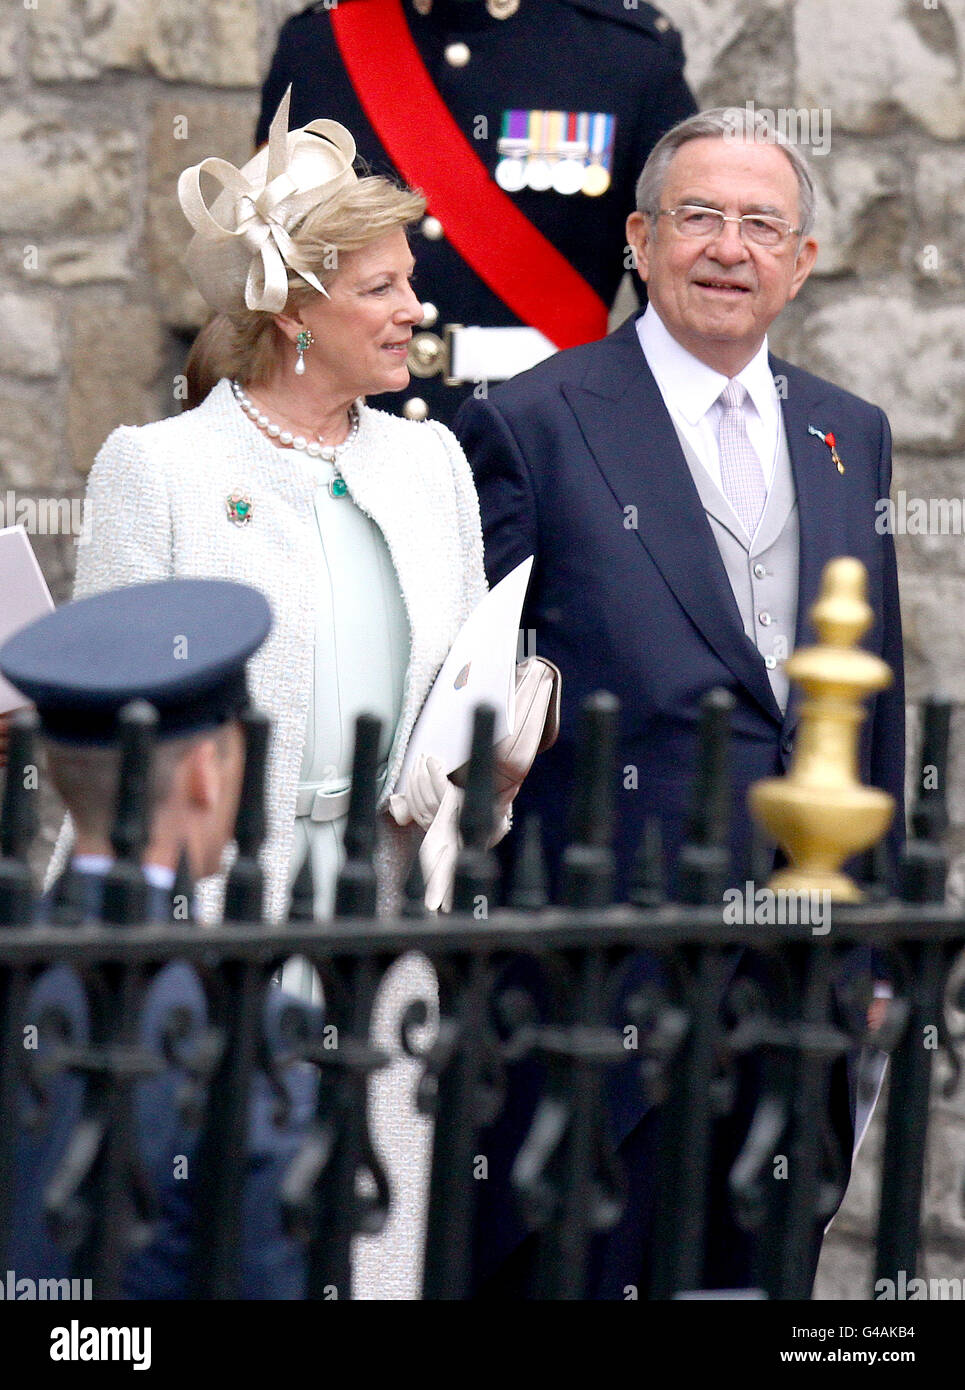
{"type": "Point", "coordinates": [432, 801]}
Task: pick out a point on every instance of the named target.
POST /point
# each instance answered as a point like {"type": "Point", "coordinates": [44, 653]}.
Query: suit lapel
{"type": "Point", "coordinates": [819, 496]}
{"type": "Point", "coordinates": [629, 432]}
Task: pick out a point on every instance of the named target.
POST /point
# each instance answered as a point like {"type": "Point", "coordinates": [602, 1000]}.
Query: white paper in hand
{"type": "Point", "coordinates": [23, 596]}
{"type": "Point", "coordinates": [479, 670]}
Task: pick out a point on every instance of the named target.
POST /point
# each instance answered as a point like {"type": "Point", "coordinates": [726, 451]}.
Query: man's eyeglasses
{"type": "Point", "coordinates": [756, 228]}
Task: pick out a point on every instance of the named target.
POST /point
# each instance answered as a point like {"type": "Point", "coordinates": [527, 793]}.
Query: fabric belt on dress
{"type": "Point", "coordinates": [327, 801]}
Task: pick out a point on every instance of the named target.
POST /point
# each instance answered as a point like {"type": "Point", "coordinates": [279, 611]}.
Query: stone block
{"type": "Point", "coordinates": [64, 174]}
{"type": "Point", "coordinates": [184, 133]}
{"type": "Point", "coordinates": [908, 357]}
{"type": "Point", "coordinates": [876, 63]}
{"type": "Point", "coordinates": [31, 442]}
{"type": "Point", "coordinates": [929, 515]}
{"type": "Point", "coordinates": [215, 44]}
{"type": "Point", "coordinates": [939, 197]}
{"type": "Point", "coordinates": [11, 30]}
{"type": "Point", "coordinates": [69, 261]}
{"type": "Point", "coordinates": [723, 41]}
{"type": "Point", "coordinates": [117, 361]}
{"type": "Point", "coordinates": [57, 554]}
{"type": "Point", "coordinates": [845, 1269]}
{"type": "Point", "coordinates": [945, 1162]}
{"type": "Point", "coordinates": [931, 606]}
{"type": "Point", "coordinates": [272, 15]}
{"type": "Point", "coordinates": [30, 341]}
{"type": "Point", "coordinates": [861, 212]}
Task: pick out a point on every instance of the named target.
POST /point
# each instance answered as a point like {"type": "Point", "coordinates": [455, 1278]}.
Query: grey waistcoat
{"type": "Point", "coordinates": [763, 573]}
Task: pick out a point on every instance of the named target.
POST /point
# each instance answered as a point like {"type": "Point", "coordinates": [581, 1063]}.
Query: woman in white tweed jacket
{"type": "Point", "coordinates": [361, 529]}
{"type": "Point", "coordinates": [156, 498]}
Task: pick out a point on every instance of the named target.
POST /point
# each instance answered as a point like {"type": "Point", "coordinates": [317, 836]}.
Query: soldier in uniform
{"type": "Point", "coordinates": [525, 123]}
{"type": "Point", "coordinates": [182, 645]}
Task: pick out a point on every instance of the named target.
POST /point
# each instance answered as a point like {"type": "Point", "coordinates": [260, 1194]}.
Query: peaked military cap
{"type": "Point", "coordinates": [181, 644]}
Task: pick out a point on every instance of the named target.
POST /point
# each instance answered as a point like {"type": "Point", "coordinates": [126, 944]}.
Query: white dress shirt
{"type": "Point", "coordinates": [157, 875]}
{"type": "Point", "coordinates": [690, 390]}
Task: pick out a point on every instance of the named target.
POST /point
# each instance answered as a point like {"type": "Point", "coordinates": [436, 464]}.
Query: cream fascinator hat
{"type": "Point", "coordinates": [241, 248]}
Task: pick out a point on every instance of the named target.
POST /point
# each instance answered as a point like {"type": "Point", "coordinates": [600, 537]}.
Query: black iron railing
{"type": "Point", "coordinates": [685, 1034]}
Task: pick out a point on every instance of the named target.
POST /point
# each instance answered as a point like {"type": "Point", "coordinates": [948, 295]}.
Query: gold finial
{"type": "Point", "coordinates": [820, 814]}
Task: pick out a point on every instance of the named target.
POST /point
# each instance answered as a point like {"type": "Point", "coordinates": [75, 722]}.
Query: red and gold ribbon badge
{"type": "Point", "coordinates": [828, 438]}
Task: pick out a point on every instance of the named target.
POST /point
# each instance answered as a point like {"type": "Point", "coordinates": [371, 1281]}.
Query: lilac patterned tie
{"type": "Point", "coordinates": [742, 476]}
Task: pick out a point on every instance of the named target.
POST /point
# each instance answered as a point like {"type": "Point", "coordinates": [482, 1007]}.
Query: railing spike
{"type": "Point", "coordinates": [648, 885]}
{"type": "Point", "coordinates": [301, 906]}
{"type": "Point", "coordinates": [529, 884]}
{"type": "Point", "coordinates": [704, 864]}
{"type": "Point", "coordinates": [245, 889]}
{"type": "Point", "coordinates": [355, 890]}
{"type": "Point", "coordinates": [125, 887]}
{"type": "Point", "coordinates": [588, 861]}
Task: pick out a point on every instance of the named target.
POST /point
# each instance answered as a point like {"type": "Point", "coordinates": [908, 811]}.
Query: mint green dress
{"type": "Point", "coordinates": [361, 655]}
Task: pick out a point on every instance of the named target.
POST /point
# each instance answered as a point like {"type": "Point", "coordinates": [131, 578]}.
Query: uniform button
{"type": "Point", "coordinates": [764, 619]}
{"type": "Point", "coordinates": [457, 54]}
{"type": "Point", "coordinates": [661, 23]}
{"type": "Point", "coordinates": [760, 572]}
{"type": "Point", "coordinates": [415, 408]}
{"type": "Point", "coordinates": [430, 315]}
{"type": "Point", "coordinates": [787, 744]}
{"type": "Point", "coordinates": [770, 662]}
{"type": "Point", "coordinates": [432, 228]}
{"type": "Point", "coordinates": [426, 354]}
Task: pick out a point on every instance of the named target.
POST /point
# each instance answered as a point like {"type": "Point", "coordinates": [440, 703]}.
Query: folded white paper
{"type": "Point", "coordinates": [23, 596]}
{"type": "Point", "coordinates": [479, 670]}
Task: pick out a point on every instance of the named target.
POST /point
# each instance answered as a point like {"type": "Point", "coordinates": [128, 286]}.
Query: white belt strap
{"type": "Point", "coordinates": [322, 803]}
{"type": "Point", "coordinates": [326, 801]}
{"type": "Point", "coordinates": [495, 354]}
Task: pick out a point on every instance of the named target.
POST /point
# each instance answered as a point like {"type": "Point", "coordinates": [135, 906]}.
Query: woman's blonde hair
{"type": "Point", "coordinates": [249, 346]}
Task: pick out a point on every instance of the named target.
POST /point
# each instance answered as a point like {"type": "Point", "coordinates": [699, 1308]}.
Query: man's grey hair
{"type": "Point", "coordinates": [721, 123]}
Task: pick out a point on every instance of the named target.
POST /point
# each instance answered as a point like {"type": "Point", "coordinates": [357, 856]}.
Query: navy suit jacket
{"type": "Point", "coordinates": [272, 1265]}
{"type": "Point", "coordinates": [577, 463]}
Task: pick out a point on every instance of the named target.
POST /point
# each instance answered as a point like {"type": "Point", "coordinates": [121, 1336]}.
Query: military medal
{"type": "Point", "coordinates": [513, 145]}
{"type": "Point", "coordinates": [511, 175]}
{"type": "Point", "coordinates": [828, 439]}
{"type": "Point", "coordinates": [568, 176]}
{"type": "Point", "coordinates": [539, 175]}
{"type": "Point", "coordinates": [568, 173]}
{"type": "Point", "coordinates": [596, 175]}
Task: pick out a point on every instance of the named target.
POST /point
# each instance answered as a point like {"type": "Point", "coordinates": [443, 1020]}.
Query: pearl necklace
{"type": "Point", "coordinates": [314, 447]}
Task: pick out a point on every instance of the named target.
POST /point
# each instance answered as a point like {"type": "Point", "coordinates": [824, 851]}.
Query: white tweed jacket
{"type": "Point", "coordinates": [157, 503]}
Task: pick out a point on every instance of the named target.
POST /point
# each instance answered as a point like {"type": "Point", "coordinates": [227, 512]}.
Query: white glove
{"type": "Point", "coordinates": [434, 801]}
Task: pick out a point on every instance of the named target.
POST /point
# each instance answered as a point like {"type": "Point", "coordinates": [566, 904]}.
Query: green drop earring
{"type": "Point", "coordinates": [303, 342]}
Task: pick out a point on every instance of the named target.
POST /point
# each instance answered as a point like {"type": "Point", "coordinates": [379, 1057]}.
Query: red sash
{"type": "Point", "coordinates": [423, 141]}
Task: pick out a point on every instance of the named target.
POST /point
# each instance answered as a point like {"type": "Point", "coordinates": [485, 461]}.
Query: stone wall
{"type": "Point", "coordinates": [103, 102]}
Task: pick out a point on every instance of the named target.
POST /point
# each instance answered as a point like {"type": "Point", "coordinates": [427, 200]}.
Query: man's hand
{"type": "Point", "coordinates": [537, 727]}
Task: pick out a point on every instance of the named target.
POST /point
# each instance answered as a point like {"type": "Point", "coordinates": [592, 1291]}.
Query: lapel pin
{"type": "Point", "coordinates": [239, 507]}
{"type": "Point", "coordinates": [828, 439]}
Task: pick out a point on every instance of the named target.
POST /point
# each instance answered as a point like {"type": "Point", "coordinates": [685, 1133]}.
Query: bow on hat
{"type": "Point", "coordinates": [241, 246]}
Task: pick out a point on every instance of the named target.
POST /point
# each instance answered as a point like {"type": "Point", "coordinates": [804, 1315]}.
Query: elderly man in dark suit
{"type": "Point", "coordinates": [182, 645]}
{"type": "Point", "coordinates": [681, 490]}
